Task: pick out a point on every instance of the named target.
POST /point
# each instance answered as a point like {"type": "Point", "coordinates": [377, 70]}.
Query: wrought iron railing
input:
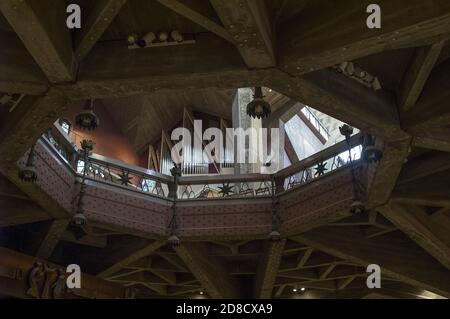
{"type": "Point", "coordinates": [225, 186]}
{"type": "Point", "coordinates": [64, 147]}
{"type": "Point", "coordinates": [113, 172]}
{"type": "Point", "coordinates": [319, 164]}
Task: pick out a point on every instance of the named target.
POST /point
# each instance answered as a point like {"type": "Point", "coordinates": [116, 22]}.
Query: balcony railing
{"type": "Point", "coordinates": [319, 164]}
{"type": "Point", "coordinates": [114, 172]}
{"type": "Point", "coordinates": [225, 186]}
{"type": "Point", "coordinates": [119, 174]}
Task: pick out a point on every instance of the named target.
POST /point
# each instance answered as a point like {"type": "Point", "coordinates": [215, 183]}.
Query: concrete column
{"type": "Point", "coordinates": [242, 120]}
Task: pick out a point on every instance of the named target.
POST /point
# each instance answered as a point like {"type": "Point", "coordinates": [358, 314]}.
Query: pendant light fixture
{"type": "Point", "coordinates": [258, 108]}
{"type": "Point", "coordinates": [87, 119]}
{"type": "Point", "coordinates": [371, 153]}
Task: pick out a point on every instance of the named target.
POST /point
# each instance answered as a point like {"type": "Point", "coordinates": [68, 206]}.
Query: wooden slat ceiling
{"type": "Point", "coordinates": [389, 67]}
{"type": "Point", "coordinates": [142, 118]}
{"type": "Point", "coordinates": [142, 16]}
{"type": "Point", "coordinates": [283, 10]}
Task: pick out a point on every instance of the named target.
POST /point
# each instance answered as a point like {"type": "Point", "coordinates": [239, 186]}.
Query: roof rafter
{"type": "Point", "coordinates": [387, 171]}
{"type": "Point", "coordinates": [426, 165]}
{"type": "Point", "coordinates": [19, 73]}
{"type": "Point", "coordinates": [41, 25]}
{"type": "Point", "coordinates": [420, 69]}
{"type": "Point", "coordinates": [268, 268]}
{"type": "Point", "coordinates": [196, 17]}
{"type": "Point", "coordinates": [339, 96]}
{"type": "Point", "coordinates": [211, 62]}
{"type": "Point", "coordinates": [290, 151]}
{"type": "Point", "coordinates": [323, 42]}
{"type": "Point", "coordinates": [134, 256]}
{"type": "Point", "coordinates": [17, 212]}
{"type": "Point", "coordinates": [32, 116]}
{"type": "Point", "coordinates": [398, 258]}
{"type": "Point", "coordinates": [249, 26]}
{"type": "Point", "coordinates": [103, 13]}
{"type": "Point", "coordinates": [208, 270]}
{"type": "Point", "coordinates": [430, 234]}
{"type": "Point", "coordinates": [431, 110]}
{"type": "Point", "coordinates": [52, 236]}
{"type": "Point", "coordinates": [434, 139]}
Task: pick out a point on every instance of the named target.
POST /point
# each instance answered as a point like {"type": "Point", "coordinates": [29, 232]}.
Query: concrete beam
{"type": "Point", "coordinates": [41, 25]}
{"type": "Point", "coordinates": [387, 172]}
{"type": "Point", "coordinates": [426, 165]}
{"type": "Point", "coordinates": [316, 39]}
{"type": "Point", "coordinates": [397, 257]}
{"type": "Point", "coordinates": [29, 120]}
{"type": "Point", "coordinates": [420, 69]}
{"type": "Point", "coordinates": [432, 234]}
{"type": "Point", "coordinates": [196, 17]}
{"type": "Point", "coordinates": [52, 236]}
{"type": "Point", "coordinates": [209, 63]}
{"type": "Point", "coordinates": [250, 29]}
{"type": "Point", "coordinates": [339, 96]}
{"type": "Point", "coordinates": [99, 19]}
{"type": "Point", "coordinates": [19, 73]}
{"type": "Point", "coordinates": [15, 211]}
{"type": "Point", "coordinates": [431, 110]}
{"type": "Point", "coordinates": [134, 256]}
{"type": "Point", "coordinates": [268, 269]}
{"type": "Point", "coordinates": [211, 273]}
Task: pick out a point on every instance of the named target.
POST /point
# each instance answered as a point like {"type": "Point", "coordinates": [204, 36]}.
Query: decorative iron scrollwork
{"type": "Point", "coordinates": [321, 168]}
{"type": "Point", "coordinates": [226, 190]}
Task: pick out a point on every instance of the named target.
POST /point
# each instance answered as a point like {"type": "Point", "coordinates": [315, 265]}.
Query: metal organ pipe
{"type": "Point", "coordinates": [193, 163]}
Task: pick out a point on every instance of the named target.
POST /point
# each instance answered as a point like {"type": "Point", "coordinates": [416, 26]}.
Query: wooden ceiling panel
{"type": "Point", "coordinates": [389, 66]}
{"type": "Point", "coordinates": [143, 118]}
{"type": "Point", "coordinates": [281, 11]}
{"type": "Point", "coordinates": [142, 16]}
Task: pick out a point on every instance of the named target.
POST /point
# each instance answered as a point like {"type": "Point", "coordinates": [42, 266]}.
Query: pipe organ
{"type": "Point", "coordinates": [194, 162]}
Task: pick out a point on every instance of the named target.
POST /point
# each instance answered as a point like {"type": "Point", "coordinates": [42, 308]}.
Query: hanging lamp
{"type": "Point", "coordinates": [87, 119]}
{"type": "Point", "coordinates": [371, 153]}
{"type": "Point", "coordinates": [258, 108]}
